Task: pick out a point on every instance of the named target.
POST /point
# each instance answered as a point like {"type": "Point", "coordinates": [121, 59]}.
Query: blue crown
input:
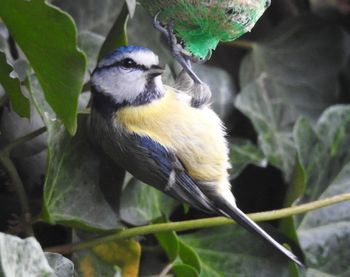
{"type": "Point", "coordinates": [127, 49]}
{"type": "Point", "coordinates": [117, 53]}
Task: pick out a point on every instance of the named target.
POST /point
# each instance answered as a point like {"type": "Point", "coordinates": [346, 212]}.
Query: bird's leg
{"type": "Point", "coordinates": [183, 57]}
{"type": "Point", "coordinates": [159, 27]}
{"type": "Point", "coordinates": [187, 79]}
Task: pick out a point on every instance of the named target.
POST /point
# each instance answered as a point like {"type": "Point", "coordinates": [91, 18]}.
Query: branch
{"type": "Point", "coordinates": [197, 223]}
{"type": "Point", "coordinates": [21, 193]}
{"type": "Point", "coordinates": [9, 147]}
{"type": "Point", "coordinates": [16, 179]}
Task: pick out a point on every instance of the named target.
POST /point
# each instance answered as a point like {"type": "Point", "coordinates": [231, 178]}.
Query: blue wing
{"type": "Point", "coordinates": [162, 169]}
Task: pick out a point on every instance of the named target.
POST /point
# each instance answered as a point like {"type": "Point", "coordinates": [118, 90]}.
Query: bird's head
{"type": "Point", "coordinates": [130, 75]}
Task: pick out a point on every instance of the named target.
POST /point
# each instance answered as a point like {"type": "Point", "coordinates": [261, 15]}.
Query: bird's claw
{"type": "Point", "coordinates": [183, 57]}
{"type": "Point", "coordinates": [158, 26]}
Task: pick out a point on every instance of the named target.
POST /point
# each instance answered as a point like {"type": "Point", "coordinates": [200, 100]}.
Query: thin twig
{"type": "Point", "coordinates": [197, 223]}
{"type": "Point", "coordinates": [16, 179]}
{"type": "Point", "coordinates": [21, 193]}
{"type": "Point", "coordinates": [9, 147]}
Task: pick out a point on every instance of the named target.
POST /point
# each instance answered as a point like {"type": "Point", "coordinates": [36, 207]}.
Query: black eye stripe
{"type": "Point", "coordinates": [126, 63]}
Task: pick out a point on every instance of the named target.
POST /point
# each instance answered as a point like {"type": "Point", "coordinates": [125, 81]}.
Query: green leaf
{"type": "Point", "coordinates": [294, 270]}
{"type": "Point", "coordinates": [98, 17]}
{"type": "Point", "coordinates": [302, 57]}
{"type": "Point", "coordinates": [294, 70]}
{"type": "Point", "coordinates": [62, 266]}
{"type": "Point", "coordinates": [231, 251]}
{"type": "Point", "coordinates": [119, 258]}
{"type": "Point", "coordinates": [117, 35]}
{"type": "Point", "coordinates": [267, 110]}
{"type": "Point", "coordinates": [183, 257]}
{"type": "Point", "coordinates": [325, 233]}
{"type": "Point", "coordinates": [47, 36]}
{"type": "Point", "coordinates": [72, 195]}
{"type": "Point", "coordinates": [244, 154]}
{"type": "Point", "coordinates": [170, 244]}
{"type": "Point", "coordinates": [287, 225]}
{"type": "Point", "coordinates": [184, 270]}
{"type": "Point", "coordinates": [22, 257]}
{"type": "Point", "coordinates": [189, 256]}
{"type": "Point", "coordinates": [323, 151]}
{"type": "Point", "coordinates": [12, 87]}
{"type": "Point", "coordinates": [91, 15]}
{"type": "Point", "coordinates": [311, 272]}
{"type": "Point", "coordinates": [141, 203]}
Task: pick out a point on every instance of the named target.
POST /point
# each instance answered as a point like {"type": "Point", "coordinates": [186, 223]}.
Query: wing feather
{"type": "Point", "coordinates": [173, 176]}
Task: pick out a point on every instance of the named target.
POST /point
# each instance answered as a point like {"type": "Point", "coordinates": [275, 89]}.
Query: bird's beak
{"type": "Point", "coordinates": [155, 71]}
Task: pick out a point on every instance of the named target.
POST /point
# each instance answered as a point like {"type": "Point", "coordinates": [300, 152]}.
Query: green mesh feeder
{"type": "Point", "coordinates": [202, 24]}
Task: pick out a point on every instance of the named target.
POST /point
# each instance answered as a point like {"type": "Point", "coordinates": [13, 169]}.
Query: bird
{"type": "Point", "coordinates": [156, 133]}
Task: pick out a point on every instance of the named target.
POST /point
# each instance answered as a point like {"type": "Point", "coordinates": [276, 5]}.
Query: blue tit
{"type": "Point", "coordinates": [156, 133]}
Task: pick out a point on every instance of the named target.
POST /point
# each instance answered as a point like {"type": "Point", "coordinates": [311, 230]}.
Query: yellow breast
{"type": "Point", "coordinates": [195, 134]}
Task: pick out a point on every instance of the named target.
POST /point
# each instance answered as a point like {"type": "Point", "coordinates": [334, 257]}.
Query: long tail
{"type": "Point", "coordinates": [235, 213]}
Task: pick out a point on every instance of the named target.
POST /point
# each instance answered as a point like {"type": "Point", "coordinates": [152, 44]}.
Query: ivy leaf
{"type": "Point", "coordinates": [294, 70]}
{"type": "Point", "coordinates": [12, 87]}
{"type": "Point", "coordinates": [117, 35]}
{"type": "Point", "coordinates": [268, 111]}
{"type": "Point", "coordinates": [62, 266]}
{"type": "Point", "coordinates": [325, 233]}
{"type": "Point", "coordinates": [22, 257]}
{"type": "Point", "coordinates": [184, 270]}
{"type": "Point", "coordinates": [141, 203]}
{"type": "Point", "coordinates": [311, 272]}
{"type": "Point", "coordinates": [47, 36]}
{"type": "Point", "coordinates": [243, 154]}
{"type": "Point", "coordinates": [71, 191]}
{"type": "Point", "coordinates": [91, 16]}
{"type": "Point", "coordinates": [119, 258]}
{"type": "Point", "coordinates": [303, 58]}
{"type": "Point", "coordinates": [184, 259]}
{"type": "Point", "coordinates": [232, 251]}
{"type": "Point", "coordinates": [98, 17]}
{"type": "Point", "coordinates": [323, 151]}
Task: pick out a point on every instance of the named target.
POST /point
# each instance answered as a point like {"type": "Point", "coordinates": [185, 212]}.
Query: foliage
{"type": "Point", "coordinates": [54, 58]}
{"type": "Point", "coordinates": [26, 258]}
{"type": "Point", "coordinates": [288, 123]}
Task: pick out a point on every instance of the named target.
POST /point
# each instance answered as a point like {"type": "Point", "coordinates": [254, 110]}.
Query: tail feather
{"type": "Point", "coordinates": [236, 214]}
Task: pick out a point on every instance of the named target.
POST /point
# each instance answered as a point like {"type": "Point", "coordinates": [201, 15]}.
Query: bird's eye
{"type": "Point", "coordinates": [128, 63]}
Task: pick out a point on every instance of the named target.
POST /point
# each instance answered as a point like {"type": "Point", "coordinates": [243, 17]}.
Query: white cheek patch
{"type": "Point", "coordinates": [158, 83]}
{"type": "Point", "coordinates": [119, 84]}
{"type": "Point", "coordinates": [122, 84]}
